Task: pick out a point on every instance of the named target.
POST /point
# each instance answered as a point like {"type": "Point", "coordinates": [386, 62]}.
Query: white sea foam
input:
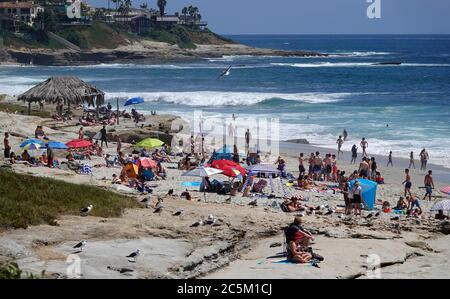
{"type": "Point", "coordinates": [218, 98]}
{"type": "Point", "coordinates": [361, 54]}
{"type": "Point", "coordinates": [355, 64]}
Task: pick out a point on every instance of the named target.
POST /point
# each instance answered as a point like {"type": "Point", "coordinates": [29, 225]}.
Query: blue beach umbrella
{"type": "Point", "coordinates": [32, 140]}
{"type": "Point", "coordinates": [56, 145]}
{"type": "Point", "coordinates": [134, 101]}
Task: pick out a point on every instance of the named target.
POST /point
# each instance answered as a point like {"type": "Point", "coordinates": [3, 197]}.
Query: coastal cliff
{"type": "Point", "coordinates": [102, 43]}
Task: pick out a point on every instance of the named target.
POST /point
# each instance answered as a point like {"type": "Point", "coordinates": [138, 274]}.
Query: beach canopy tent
{"type": "Point", "coordinates": [149, 143]}
{"type": "Point", "coordinates": [65, 90]}
{"type": "Point", "coordinates": [229, 168]}
{"type": "Point", "coordinates": [146, 163]}
{"type": "Point", "coordinates": [266, 169]}
{"type": "Point", "coordinates": [131, 170]}
{"type": "Point", "coordinates": [202, 172]}
{"type": "Point", "coordinates": [443, 205]}
{"type": "Point", "coordinates": [369, 192]}
{"type": "Point", "coordinates": [224, 153]}
{"type": "Point", "coordinates": [55, 145]}
{"type": "Point", "coordinates": [31, 140]}
{"type": "Point", "coordinates": [79, 143]}
{"type": "Point", "coordinates": [263, 168]}
{"type": "Point", "coordinates": [134, 101]}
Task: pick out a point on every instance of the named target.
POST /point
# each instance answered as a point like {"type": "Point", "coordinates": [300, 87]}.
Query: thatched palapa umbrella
{"type": "Point", "coordinates": [64, 90]}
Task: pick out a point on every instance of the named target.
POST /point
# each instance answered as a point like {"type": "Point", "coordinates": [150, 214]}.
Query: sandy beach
{"type": "Point", "coordinates": [238, 245]}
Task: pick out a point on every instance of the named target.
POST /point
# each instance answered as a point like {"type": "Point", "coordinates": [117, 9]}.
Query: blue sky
{"type": "Point", "coordinates": [316, 16]}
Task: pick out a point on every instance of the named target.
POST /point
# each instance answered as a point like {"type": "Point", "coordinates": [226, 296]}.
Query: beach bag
{"type": "Point", "coordinates": [85, 169]}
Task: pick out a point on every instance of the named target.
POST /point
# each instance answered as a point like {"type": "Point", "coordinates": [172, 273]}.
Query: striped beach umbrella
{"type": "Point", "coordinates": [443, 205]}
{"type": "Point", "coordinates": [32, 146]}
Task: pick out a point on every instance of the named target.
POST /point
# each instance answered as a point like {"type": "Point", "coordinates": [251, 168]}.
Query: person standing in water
{"type": "Point", "coordinates": [345, 134]}
{"type": "Point", "coordinates": [364, 144]}
{"type": "Point", "coordinates": [339, 143]}
{"type": "Point", "coordinates": [354, 154]}
{"type": "Point", "coordinates": [411, 160]}
{"type": "Point", "coordinates": [390, 160]}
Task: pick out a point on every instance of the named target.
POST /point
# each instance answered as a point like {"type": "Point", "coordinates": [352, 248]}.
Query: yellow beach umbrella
{"type": "Point", "coordinates": [149, 143]}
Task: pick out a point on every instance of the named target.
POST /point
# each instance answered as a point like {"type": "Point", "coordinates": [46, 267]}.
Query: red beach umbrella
{"type": "Point", "coordinates": [146, 163]}
{"type": "Point", "coordinates": [79, 143]}
{"type": "Point", "coordinates": [229, 168]}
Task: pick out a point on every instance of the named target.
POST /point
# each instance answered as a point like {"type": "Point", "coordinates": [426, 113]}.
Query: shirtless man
{"type": "Point", "coordinates": [429, 184]}
{"type": "Point", "coordinates": [339, 142]}
{"type": "Point", "coordinates": [317, 168]}
{"type": "Point", "coordinates": [364, 144]}
{"type": "Point", "coordinates": [6, 146]}
{"type": "Point", "coordinates": [407, 182]}
{"type": "Point", "coordinates": [363, 168]}
{"type": "Point", "coordinates": [311, 164]}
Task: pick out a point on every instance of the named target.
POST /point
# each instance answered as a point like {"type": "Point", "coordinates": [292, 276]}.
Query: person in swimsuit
{"type": "Point", "coordinates": [354, 154]}
{"type": "Point", "coordinates": [339, 143]}
{"type": "Point", "coordinates": [407, 182]}
{"type": "Point", "coordinates": [311, 164]}
{"type": "Point", "coordinates": [390, 160]}
{"type": "Point", "coordinates": [357, 197]}
{"type": "Point", "coordinates": [364, 168]}
{"type": "Point", "coordinates": [345, 134]}
{"type": "Point", "coordinates": [364, 144]}
{"type": "Point", "coordinates": [317, 168]}
{"type": "Point", "coordinates": [301, 167]}
{"type": "Point", "coordinates": [429, 185]}
{"type": "Point", "coordinates": [411, 160]}
{"type": "Point", "coordinates": [334, 169]}
{"type": "Point", "coordinates": [81, 134]}
{"type": "Point", "coordinates": [423, 159]}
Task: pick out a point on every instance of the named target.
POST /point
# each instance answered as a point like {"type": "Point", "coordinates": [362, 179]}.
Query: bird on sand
{"type": "Point", "coordinates": [80, 245]}
{"type": "Point", "coordinates": [198, 223]}
{"type": "Point", "coordinates": [134, 255]}
{"type": "Point", "coordinates": [253, 203]}
{"type": "Point", "coordinates": [86, 210]}
{"type": "Point", "coordinates": [178, 212]}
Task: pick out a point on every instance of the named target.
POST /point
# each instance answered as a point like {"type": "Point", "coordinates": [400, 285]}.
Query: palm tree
{"type": "Point", "coordinates": [162, 6]}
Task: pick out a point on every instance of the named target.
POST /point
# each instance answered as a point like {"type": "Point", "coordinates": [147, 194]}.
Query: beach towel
{"type": "Point", "coordinates": [191, 184]}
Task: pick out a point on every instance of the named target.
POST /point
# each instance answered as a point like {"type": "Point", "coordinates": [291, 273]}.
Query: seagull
{"type": "Point", "coordinates": [80, 245]}
{"type": "Point", "coordinates": [329, 212]}
{"type": "Point", "coordinates": [211, 219]}
{"type": "Point", "coordinates": [369, 216]}
{"type": "Point", "coordinates": [198, 223]}
{"type": "Point", "coordinates": [145, 200]}
{"type": "Point", "coordinates": [178, 212]}
{"type": "Point", "coordinates": [253, 203]}
{"type": "Point", "coordinates": [225, 72]}
{"type": "Point", "coordinates": [86, 210]}
{"type": "Point", "coordinates": [134, 255]}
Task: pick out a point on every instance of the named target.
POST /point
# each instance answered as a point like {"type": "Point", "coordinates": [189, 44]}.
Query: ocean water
{"type": "Point", "coordinates": [314, 98]}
